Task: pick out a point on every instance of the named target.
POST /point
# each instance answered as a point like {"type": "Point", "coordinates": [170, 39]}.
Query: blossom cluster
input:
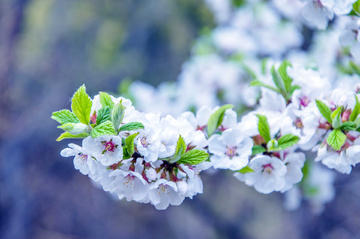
{"type": "Point", "coordinates": [291, 127]}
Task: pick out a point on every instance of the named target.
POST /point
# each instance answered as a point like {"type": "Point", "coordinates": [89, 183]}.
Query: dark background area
{"type": "Point", "coordinates": [48, 48]}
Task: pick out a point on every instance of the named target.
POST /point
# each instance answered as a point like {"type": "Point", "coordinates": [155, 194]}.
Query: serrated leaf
{"type": "Point", "coordinates": [132, 126]}
{"type": "Point", "coordinates": [117, 115]}
{"type": "Point", "coordinates": [106, 100]}
{"type": "Point", "coordinates": [348, 126]}
{"type": "Point", "coordinates": [103, 115]}
{"type": "Point", "coordinates": [276, 77]}
{"type": "Point", "coordinates": [264, 128]}
{"type": "Point", "coordinates": [67, 135]}
{"type": "Point", "coordinates": [216, 119]}
{"type": "Point", "coordinates": [74, 129]}
{"type": "Point", "coordinates": [193, 157]}
{"type": "Point", "coordinates": [336, 139]}
{"type": "Point", "coordinates": [245, 170]}
{"type": "Point", "coordinates": [356, 111]}
{"type": "Point", "coordinates": [105, 128]}
{"type": "Point", "coordinates": [129, 142]}
{"type": "Point", "coordinates": [257, 149]}
{"type": "Point", "coordinates": [336, 118]}
{"type": "Point", "coordinates": [324, 110]}
{"type": "Point", "coordinates": [179, 150]}
{"type": "Point", "coordinates": [81, 105]}
{"type": "Point", "coordinates": [287, 140]}
{"type": "Point", "coordinates": [259, 83]}
{"type": "Point", "coordinates": [284, 75]}
{"type": "Point", "coordinates": [65, 116]}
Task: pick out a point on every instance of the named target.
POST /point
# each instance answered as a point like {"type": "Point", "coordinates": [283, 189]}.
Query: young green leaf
{"type": "Point", "coordinates": [348, 126]}
{"type": "Point", "coordinates": [179, 151]}
{"type": "Point", "coordinates": [106, 100]}
{"type": "Point", "coordinates": [336, 118]}
{"type": "Point", "coordinates": [67, 135]}
{"type": "Point", "coordinates": [81, 105]}
{"type": "Point", "coordinates": [259, 83]}
{"type": "Point", "coordinates": [264, 128]}
{"type": "Point", "coordinates": [263, 65]}
{"type": "Point", "coordinates": [129, 142]}
{"type": "Point", "coordinates": [132, 126]}
{"type": "Point", "coordinates": [126, 154]}
{"type": "Point", "coordinates": [273, 145]}
{"type": "Point", "coordinates": [257, 149]}
{"type": "Point", "coordinates": [245, 170]}
{"type": "Point", "coordinates": [293, 88]}
{"type": "Point", "coordinates": [356, 111]}
{"type": "Point", "coordinates": [193, 157]}
{"type": "Point", "coordinates": [103, 115]}
{"type": "Point", "coordinates": [354, 67]}
{"type": "Point", "coordinates": [336, 139]}
{"type": "Point", "coordinates": [105, 128]}
{"type": "Point", "coordinates": [65, 116]}
{"type": "Point", "coordinates": [284, 75]}
{"type": "Point", "coordinates": [216, 119]}
{"type": "Point", "coordinates": [324, 110]}
{"type": "Point", "coordinates": [74, 129]}
{"type": "Point", "coordinates": [117, 115]}
{"type": "Point", "coordinates": [276, 77]}
{"type": "Point", "coordinates": [287, 140]}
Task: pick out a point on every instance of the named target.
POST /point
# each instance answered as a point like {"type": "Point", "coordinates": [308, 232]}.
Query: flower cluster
{"type": "Point", "coordinates": [289, 127]}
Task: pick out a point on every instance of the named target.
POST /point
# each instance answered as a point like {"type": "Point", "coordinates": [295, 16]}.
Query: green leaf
{"type": "Point", "coordinates": [216, 119]}
{"type": "Point", "coordinates": [287, 140]}
{"type": "Point", "coordinates": [284, 75]}
{"type": "Point", "coordinates": [257, 149]}
{"type": "Point", "coordinates": [348, 126]}
{"type": "Point", "coordinates": [126, 154]}
{"type": "Point", "coordinates": [129, 142]}
{"type": "Point", "coordinates": [336, 139]}
{"type": "Point", "coordinates": [263, 65]}
{"type": "Point", "coordinates": [276, 77]}
{"type": "Point", "coordinates": [65, 116]}
{"type": "Point", "coordinates": [106, 100]}
{"type": "Point", "coordinates": [103, 115]}
{"type": "Point", "coordinates": [264, 128]}
{"type": "Point", "coordinates": [354, 67]}
{"type": "Point", "coordinates": [179, 151]}
{"type": "Point", "coordinates": [356, 111]}
{"type": "Point", "coordinates": [67, 135]}
{"type": "Point", "coordinates": [193, 157]}
{"type": "Point", "coordinates": [259, 83]}
{"type": "Point", "coordinates": [324, 110]}
{"type": "Point", "coordinates": [132, 126]}
{"type": "Point", "coordinates": [293, 88]}
{"type": "Point", "coordinates": [245, 170]}
{"type": "Point", "coordinates": [105, 128]}
{"type": "Point", "coordinates": [117, 115]}
{"type": "Point", "coordinates": [336, 118]}
{"type": "Point", "coordinates": [81, 105]}
{"type": "Point", "coordinates": [74, 129]}
{"type": "Point", "coordinates": [356, 9]}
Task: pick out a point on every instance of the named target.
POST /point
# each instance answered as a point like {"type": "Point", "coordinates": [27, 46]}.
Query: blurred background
{"type": "Point", "coordinates": [48, 48]}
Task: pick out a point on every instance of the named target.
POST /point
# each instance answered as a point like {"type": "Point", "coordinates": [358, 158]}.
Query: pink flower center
{"type": "Point", "coordinates": [129, 182]}
{"type": "Point", "coordinates": [304, 101]}
{"type": "Point", "coordinates": [109, 146]}
{"type": "Point", "coordinates": [299, 124]}
{"type": "Point", "coordinates": [267, 168]}
{"type": "Point", "coordinates": [83, 157]}
{"type": "Point", "coordinates": [163, 190]}
{"type": "Point", "coordinates": [231, 151]}
{"type": "Point", "coordinates": [143, 141]}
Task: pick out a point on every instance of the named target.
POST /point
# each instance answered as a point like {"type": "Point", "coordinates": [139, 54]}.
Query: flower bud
{"type": "Point", "coordinates": [151, 174]}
